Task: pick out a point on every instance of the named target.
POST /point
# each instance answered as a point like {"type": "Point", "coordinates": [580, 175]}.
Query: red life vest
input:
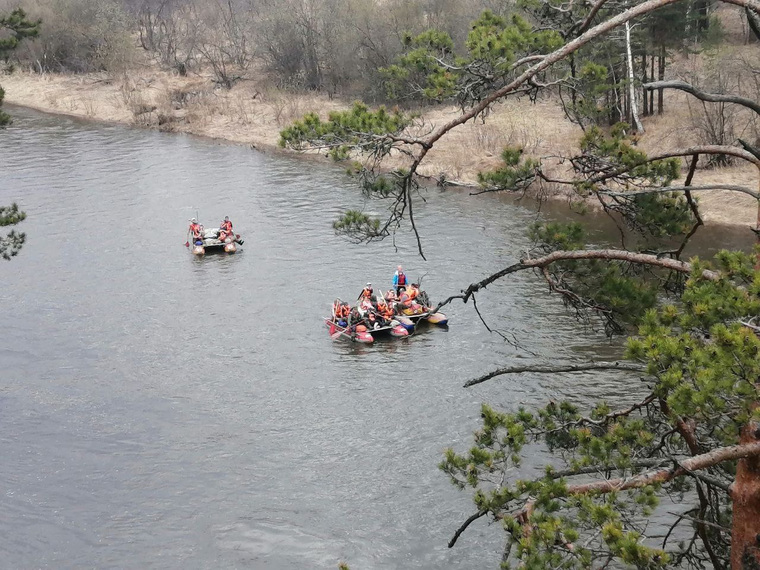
{"type": "Point", "coordinates": [401, 279]}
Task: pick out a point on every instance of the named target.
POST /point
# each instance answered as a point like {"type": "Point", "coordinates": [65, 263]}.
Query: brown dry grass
{"type": "Point", "coordinates": [253, 113]}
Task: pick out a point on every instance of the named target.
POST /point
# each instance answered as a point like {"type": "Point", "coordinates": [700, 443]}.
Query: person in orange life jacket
{"type": "Point", "coordinates": [392, 300]}
{"type": "Point", "coordinates": [225, 228]}
{"type": "Point", "coordinates": [399, 280]}
{"type": "Point", "coordinates": [341, 314]}
{"type": "Point", "coordinates": [366, 292]}
{"type": "Point", "coordinates": [196, 230]}
{"type": "Point", "coordinates": [412, 291]}
{"type": "Point", "coordinates": [384, 309]}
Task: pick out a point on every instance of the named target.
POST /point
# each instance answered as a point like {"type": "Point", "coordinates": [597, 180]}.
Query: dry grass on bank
{"type": "Point", "coordinates": [253, 113]}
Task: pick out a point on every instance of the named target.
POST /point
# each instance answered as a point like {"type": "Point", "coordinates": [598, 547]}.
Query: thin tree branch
{"type": "Point", "coordinates": [660, 189]}
{"type": "Point", "coordinates": [591, 15]}
{"type": "Point", "coordinates": [692, 205]}
{"type": "Point", "coordinates": [464, 526]}
{"type": "Point", "coordinates": [653, 462]}
{"type": "Point", "coordinates": [539, 369]}
{"type": "Point", "coordinates": [608, 254]}
{"type": "Point", "coordinates": [703, 149]}
{"type": "Point", "coordinates": [702, 95]}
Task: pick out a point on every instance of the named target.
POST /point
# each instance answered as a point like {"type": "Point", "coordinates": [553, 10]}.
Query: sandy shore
{"type": "Point", "coordinates": [254, 115]}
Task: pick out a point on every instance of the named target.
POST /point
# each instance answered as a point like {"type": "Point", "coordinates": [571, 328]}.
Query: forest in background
{"type": "Point", "coordinates": [348, 48]}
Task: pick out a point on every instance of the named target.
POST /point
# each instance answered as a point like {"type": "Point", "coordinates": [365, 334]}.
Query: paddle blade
{"type": "Point", "coordinates": [187, 244]}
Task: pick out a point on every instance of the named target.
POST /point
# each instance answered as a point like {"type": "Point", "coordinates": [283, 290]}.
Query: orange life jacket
{"type": "Point", "coordinates": [384, 310]}
{"type": "Point", "coordinates": [341, 311]}
{"type": "Point", "coordinates": [366, 292]}
{"type": "Point", "coordinates": [195, 229]}
{"type": "Point", "coordinates": [226, 226]}
{"type": "Point", "coordinates": [412, 292]}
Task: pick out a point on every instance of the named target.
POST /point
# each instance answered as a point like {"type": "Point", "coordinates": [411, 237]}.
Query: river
{"type": "Point", "coordinates": [163, 411]}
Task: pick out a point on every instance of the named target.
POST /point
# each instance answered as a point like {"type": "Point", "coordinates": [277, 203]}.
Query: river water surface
{"type": "Point", "coordinates": [162, 411]}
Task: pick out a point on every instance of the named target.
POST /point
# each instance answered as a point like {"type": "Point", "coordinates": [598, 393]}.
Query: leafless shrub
{"type": "Point", "coordinates": [488, 139]}
{"type": "Point", "coordinates": [286, 107]}
{"type": "Point", "coordinates": [80, 36]}
{"type": "Point", "coordinates": [715, 123]}
{"type": "Point", "coordinates": [90, 106]}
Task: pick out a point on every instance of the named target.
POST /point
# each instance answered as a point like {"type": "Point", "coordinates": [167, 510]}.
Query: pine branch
{"type": "Point", "coordinates": [581, 254]}
{"type": "Point", "coordinates": [539, 369]}
{"type": "Point", "coordinates": [694, 463]}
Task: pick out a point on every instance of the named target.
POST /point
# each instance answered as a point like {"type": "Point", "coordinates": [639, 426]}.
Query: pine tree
{"type": "Point", "coordinates": [18, 28]}
{"type": "Point", "coordinates": [693, 361]}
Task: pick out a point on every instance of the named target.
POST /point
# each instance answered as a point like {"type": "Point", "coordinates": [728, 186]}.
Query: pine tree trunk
{"type": "Point", "coordinates": [661, 77]}
{"type": "Point", "coordinates": [651, 96]}
{"type": "Point", "coordinates": [745, 495]}
{"type": "Point", "coordinates": [644, 92]}
{"type": "Point", "coordinates": [573, 74]}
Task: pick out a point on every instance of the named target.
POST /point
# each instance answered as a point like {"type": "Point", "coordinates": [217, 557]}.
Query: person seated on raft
{"type": "Point", "coordinates": [342, 310]}
{"type": "Point", "coordinates": [225, 229]}
{"type": "Point", "coordinates": [372, 319]}
{"type": "Point", "coordinates": [412, 291]}
{"type": "Point", "coordinates": [196, 230]}
{"type": "Point", "coordinates": [391, 300]}
{"type": "Point", "coordinates": [407, 300]}
{"type": "Point", "coordinates": [384, 310]}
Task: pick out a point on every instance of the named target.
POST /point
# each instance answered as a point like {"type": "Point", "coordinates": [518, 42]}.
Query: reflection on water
{"type": "Point", "coordinates": [159, 410]}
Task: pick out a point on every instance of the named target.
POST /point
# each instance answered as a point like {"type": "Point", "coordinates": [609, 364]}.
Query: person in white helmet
{"type": "Point", "coordinates": [366, 292]}
{"type": "Point", "coordinates": [195, 230]}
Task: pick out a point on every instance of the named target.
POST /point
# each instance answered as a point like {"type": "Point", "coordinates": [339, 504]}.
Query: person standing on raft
{"type": "Point", "coordinates": [399, 280]}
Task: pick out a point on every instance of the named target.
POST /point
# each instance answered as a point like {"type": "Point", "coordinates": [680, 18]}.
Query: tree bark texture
{"type": "Point", "coordinates": [631, 86]}
{"type": "Point", "coordinates": [644, 92]}
{"type": "Point", "coordinates": [661, 77]}
{"type": "Point", "coordinates": [745, 495]}
{"type": "Point", "coordinates": [651, 97]}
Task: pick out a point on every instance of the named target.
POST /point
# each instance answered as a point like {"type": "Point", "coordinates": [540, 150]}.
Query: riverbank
{"type": "Point", "coordinates": [253, 114]}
